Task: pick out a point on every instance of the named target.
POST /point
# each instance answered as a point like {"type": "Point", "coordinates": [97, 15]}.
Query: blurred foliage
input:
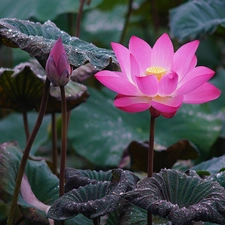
{"type": "Point", "coordinates": [99, 134]}
{"type": "Point", "coordinates": [197, 19]}
{"type": "Point", "coordinates": [105, 132]}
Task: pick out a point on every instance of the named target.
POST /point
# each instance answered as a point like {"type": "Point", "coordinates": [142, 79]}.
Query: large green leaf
{"type": "Point", "coordinates": [10, 156]}
{"type": "Point", "coordinates": [196, 19]}
{"type": "Point", "coordinates": [213, 165]}
{"type": "Point", "coordinates": [134, 215]}
{"type": "Point", "coordinates": [103, 30]}
{"type": "Point", "coordinates": [12, 129]}
{"type": "Point", "coordinates": [37, 39]}
{"type": "Point", "coordinates": [38, 174]}
{"type": "Point", "coordinates": [219, 177]}
{"type": "Point", "coordinates": [41, 10]}
{"type": "Point", "coordinates": [130, 214]}
{"type": "Point", "coordinates": [137, 216]}
{"type": "Point", "coordinates": [100, 132]}
{"type": "Point", "coordinates": [218, 106]}
{"type": "Point", "coordinates": [197, 123]}
{"type": "Point", "coordinates": [180, 198]}
{"type": "Point", "coordinates": [127, 21]}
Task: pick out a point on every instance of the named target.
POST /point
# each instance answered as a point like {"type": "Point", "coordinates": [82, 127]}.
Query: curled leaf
{"type": "Point", "coordinates": [92, 200]}
{"type": "Point", "coordinates": [76, 178]}
{"type": "Point", "coordinates": [21, 89]}
{"type": "Point", "coordinates": [83, 72]}
{"type": "Point", "coordinates": [180, 198]}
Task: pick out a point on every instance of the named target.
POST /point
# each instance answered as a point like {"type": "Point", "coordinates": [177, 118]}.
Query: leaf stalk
{"type": "Point", "coordinates": [27, 149]}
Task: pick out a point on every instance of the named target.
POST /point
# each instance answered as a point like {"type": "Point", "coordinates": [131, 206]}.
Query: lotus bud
{"type": "Point", "coordinates": [57, 66]}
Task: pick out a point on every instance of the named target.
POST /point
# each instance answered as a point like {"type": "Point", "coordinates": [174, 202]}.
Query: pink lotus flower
{"type": "Point", "coordinates": [158, 78]}
{"type": "Point", "coordinates": [57, 67]}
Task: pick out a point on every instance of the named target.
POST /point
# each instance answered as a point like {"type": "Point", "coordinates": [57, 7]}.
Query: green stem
{"type": "Point", "coordinates": [19, 221]}
{"type": "Point", "coordinates": [149, 218]}
{"type": "Point", "coordinates": [25, 123]}
{"type": "Point", "coordinates": [63, 141]}
{"type": "Point", "coordinates": [26, 153]}
{"type": "Point", "coordinates": [71, 25]}
{"type": "Point", "coordinates": [155, 17]}
{"type": "Point", "coordinates": [129, 12]}
{"type": "Point", "coordinates": [54, 145]}
{"type": "Point", "coordinates": [151, 157]}
{"type": "Point", "coordinates": [79, 15]}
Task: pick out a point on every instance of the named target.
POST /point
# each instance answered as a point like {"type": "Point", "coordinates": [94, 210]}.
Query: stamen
{"type": "Point", "coordinates": [157, 71]}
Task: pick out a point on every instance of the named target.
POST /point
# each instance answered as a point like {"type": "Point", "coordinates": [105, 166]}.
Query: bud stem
{"type": "Point", "coordinates": [63, 141]}
{"type": "Point", "coordinates": [63, 144]}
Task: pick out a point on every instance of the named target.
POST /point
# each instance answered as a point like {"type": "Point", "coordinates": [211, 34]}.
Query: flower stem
{"type": "Point", "coordinates": [96, 221]}
{"type": "Point", "coordinates": [151, 147]}
{"type": "Point", "coordinates": [26, 153]}
{"type": "Point", "coordinates": [54, 145]}
{"type": "Point", "coordinates": [151, 157]}
{"type": "Point", "coordinates": [63, 141]}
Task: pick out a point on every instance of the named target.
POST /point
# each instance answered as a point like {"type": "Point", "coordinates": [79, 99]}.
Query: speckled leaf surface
{"type": "Point", "coordinates": [92, 200]}
{"type": "Point", "coordinates": [37, 39]}
{"type": "Point", "coordinates": [76, 178]}
{"type": "Point", "coordinates": [180, 198]}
